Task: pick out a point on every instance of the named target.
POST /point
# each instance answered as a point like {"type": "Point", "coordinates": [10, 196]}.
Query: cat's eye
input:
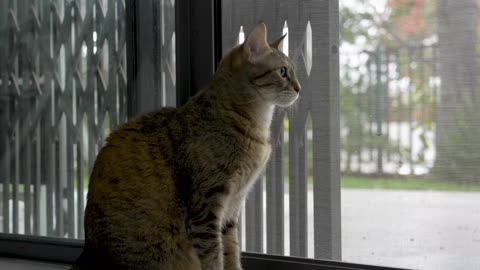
{"type": "Point", "coordinates": [283, 72]}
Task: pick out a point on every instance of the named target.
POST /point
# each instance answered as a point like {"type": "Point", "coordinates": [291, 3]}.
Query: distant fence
{"type": "Point", "coordinates": [388, 102]}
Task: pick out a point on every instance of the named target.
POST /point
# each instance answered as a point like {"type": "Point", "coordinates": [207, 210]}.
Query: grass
{"type": "Point", "coordinates": [351, 182]}
{"type": "Point", "coordinates": [356, 182]}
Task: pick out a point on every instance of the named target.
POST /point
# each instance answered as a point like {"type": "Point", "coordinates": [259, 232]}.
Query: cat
{"type": "Point", "coordinates": [167, 188]}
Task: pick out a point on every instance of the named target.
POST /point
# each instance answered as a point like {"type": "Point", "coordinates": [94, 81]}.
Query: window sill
{"type": "Point", "coordinates": [64, 251]}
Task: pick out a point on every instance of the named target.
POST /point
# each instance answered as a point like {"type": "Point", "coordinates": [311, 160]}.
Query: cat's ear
{"type": "Point", "coordinates": [256, 43]}
{"type": "Point", "coordinates": [278, 42]}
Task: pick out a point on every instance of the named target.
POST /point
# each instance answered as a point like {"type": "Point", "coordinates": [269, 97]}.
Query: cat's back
{"type": "Point", "coordinates": [135, 168]}
{"type": "Point", "coordinates": [137, 150]}
{"type": "Point", "coordinates": [133, 205]}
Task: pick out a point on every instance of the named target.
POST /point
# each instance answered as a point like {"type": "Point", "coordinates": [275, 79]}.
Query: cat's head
{"type": "Point", "coordinates": [263, 69]}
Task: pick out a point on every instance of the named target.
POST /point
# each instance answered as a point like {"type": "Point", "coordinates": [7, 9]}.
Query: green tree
{"type": "Point", "coordinates": [365, 27]}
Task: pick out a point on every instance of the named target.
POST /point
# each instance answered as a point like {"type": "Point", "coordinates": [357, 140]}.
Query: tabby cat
{"type": "Point", "coordinates": [167, 188]}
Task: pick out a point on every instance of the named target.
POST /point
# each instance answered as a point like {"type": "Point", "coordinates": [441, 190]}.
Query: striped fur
{"type": "Point", "coordinates": [167, 188]}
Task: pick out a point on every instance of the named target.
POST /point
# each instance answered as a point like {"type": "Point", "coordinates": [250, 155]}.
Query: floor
{"type": "Point", "coordinates": [16, 264]}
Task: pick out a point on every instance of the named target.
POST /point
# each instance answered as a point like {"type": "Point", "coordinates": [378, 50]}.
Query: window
{"type": "Point", "coordinates": [301, 202]}
{"type": "Point", "coordinates": [376, 164]}
{"type": "Point", "coordinates": [63, 89]}
{"type": "Point", "coordinates": [409, 84]}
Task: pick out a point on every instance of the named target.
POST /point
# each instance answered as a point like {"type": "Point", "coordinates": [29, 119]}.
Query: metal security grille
{"type": "Point", "coordinates": [305, 137]}
{"type": "Point", "coordinates": [62, 89]}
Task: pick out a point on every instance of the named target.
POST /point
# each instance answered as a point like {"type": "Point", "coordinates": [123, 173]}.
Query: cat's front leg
{"type": "Point", "coordinates": [206, 237]}
{"type": "Point", "coordinates": [231, 249]}
{"type": "Point", "coordinates": [209, 252]}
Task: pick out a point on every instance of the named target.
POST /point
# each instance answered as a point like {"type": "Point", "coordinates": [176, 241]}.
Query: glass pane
{"type": "Point", "coordinates": [410, 125]}
{"type": "Point", "coordinates": [295, 208]}
{"type": "Point", "coordinates": [63, 89]}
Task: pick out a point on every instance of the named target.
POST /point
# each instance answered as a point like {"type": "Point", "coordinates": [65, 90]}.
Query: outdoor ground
{"type": "Point", "coordinates": [406, 223]}
{"type": "Point", "coordinates": [411, 229]}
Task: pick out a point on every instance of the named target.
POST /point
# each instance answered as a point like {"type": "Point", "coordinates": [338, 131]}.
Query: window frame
{"type": "Point", "coordinates": [195, 65]}
{"type": "Point", "coordinates": [66, 251]}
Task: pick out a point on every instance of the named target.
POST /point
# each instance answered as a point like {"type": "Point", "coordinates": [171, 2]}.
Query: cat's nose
{"type": "Point", "coordinates": [296, 86]}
